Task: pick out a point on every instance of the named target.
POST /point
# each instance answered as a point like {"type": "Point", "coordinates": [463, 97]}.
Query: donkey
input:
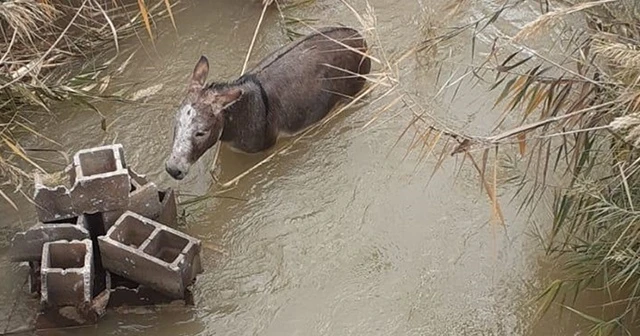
{"type": "Point", "coordinates": [285, 94]}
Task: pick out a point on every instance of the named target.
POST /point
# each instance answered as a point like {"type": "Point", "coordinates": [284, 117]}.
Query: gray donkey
{"type": "Point", "coordinates": [283, 95]}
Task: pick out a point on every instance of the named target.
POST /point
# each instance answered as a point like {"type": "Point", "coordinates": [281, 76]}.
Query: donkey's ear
{"type": "Point", "coordinates": [200, 72]}
{"type": "Point", "coordinates": [227, 97]}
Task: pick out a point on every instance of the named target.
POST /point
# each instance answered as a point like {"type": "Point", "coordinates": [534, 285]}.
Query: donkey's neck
{"type": "Point", "coordinates": [246, 125]}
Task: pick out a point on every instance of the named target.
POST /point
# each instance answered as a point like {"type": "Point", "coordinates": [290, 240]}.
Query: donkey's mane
{"type": "Point", "coordinates": [218, 86]}
{"type": "Point", "coordinates": [246, 78]}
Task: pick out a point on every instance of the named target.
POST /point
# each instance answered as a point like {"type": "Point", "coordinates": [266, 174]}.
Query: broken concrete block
{"type": "Point", "coordinates": [67, 273]}
{"type": "Point", "coordinates": [97, 181]}
{"type": "Point", "coordinates": [169, 213]}
{"type": "Point", "coordinates": [151, 254]}
{"type": "Point", "coordinates": [144, 200]}
{"type": "Point", "coordinates": [52, 196]}
{"type": "Point", "coordinates": [102, 180]}
{"type": "Point", "coordinates": [137, 180]}
{"type": "Point", "coordinates": [27, 245]}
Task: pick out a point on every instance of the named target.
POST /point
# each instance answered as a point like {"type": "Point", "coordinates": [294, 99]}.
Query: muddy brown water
{"type": "Point", "coordinates": [339, 235]}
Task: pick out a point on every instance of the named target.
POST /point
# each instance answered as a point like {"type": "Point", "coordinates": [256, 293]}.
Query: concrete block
{"type": "Point", "coordinates": [137, 180]}
{"type": "Point", "coordinates": [67, 273]}
{"type": "Point", "coordinates": [84, 314]}
{"type": "Point", "coordinates": [27, 245]}
{"type": "Point", "coordinates": [151, 254]}
{"type": "Point", "coordinates": [97, 181]}
{"type": "Point", "coordinates": [169, 213]}
{"type": "Point", "coordinates": [52, 195]}
{"type": "Point", "coordinates": [102, 180]}
{"type": "Point", "coordinates": [144, 199]}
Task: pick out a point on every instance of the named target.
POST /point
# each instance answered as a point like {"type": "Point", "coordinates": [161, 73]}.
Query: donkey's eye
{"type": "Point", "coordinates": [200, 134]}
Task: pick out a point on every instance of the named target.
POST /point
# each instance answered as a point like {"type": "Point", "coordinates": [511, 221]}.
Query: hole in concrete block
{"type": "Point", "coordinates": [72, 220]}
{"type": "Point", "coordinates": [132, 232]}
{"type": "Point", "coordinates": [161, 196]}
{"type": "Point", "coordinates": [98, 162]}
{"type": "Point", "coordinates": [119, 281]}
{"type": "Point", "coordinates": [122, 160]}
{"type": "Point", "coordinates": [67, 255]}
{"type": "Point", "coordinates": [166, 246]}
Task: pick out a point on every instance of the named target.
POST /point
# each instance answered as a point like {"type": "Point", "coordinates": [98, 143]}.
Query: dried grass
{"type": "Point", "coordinates": [549, 19]}
{"type": "Point", "coordinates": [43, 45]}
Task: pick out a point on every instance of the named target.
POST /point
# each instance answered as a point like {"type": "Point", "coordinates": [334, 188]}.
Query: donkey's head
{"type": "Point", "coordinates": [199, 121]}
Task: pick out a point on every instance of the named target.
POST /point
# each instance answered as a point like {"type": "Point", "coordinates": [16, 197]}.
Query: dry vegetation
{"type": "Point", "coordinates": [575, 122]}
{"type": "Point", "coordinates": [58, 51]}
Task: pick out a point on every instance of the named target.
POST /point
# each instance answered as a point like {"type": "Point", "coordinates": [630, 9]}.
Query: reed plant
{"type": "Point", "coordinates": [574, 126]}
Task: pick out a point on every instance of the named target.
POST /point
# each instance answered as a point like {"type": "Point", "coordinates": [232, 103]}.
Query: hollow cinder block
{"type": "Point", "coordinates": [144, 199]}
{"type": "Point", "coordinates": [84, 314]}
{"type": "Point", "coordinates": [151, 254]}
{"type": "Point", "coordinates": [102, 180]}
{"type": "Point", "coordinates": [67, 273]}
{"type": "Point", "coordinates": [97, 181]}
{"type": "Point", "coordinates": [52, 195]}
{"type": "Point", "coordinates": [137, 180]}
{"type": "Point", "coordinates": [27, 245]}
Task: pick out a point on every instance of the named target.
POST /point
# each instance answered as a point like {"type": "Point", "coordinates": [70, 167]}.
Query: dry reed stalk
{"type": "Point", "coordinates": [549, 19]}
{"type": "Point", "coordinates": [255, 35]}
{"type": "Point", "coordinates": [266, 4]}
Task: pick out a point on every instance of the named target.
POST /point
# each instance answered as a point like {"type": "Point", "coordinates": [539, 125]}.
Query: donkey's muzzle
{"type": "Point", "coordinates": [175, 172]}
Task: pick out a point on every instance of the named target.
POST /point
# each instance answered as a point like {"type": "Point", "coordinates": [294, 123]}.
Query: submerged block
{"type": "Point", "coordinates": [84, 314]}
{"type": "Point", "coordinates": [65, 317]}
{"type": "Point", "coordinates": [27, 245]}
{"type": "Point", "coordinates": [97, 181]}
{"type": "Point", "coordinates": [127, 293]}
{"type": "Point", "coordinates": [67, 273]}
{"type": "Point", "coordinates": [151, 254]}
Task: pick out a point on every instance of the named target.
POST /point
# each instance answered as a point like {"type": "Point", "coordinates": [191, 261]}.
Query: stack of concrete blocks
{"type": "Point", "coordinates": [103, 229]}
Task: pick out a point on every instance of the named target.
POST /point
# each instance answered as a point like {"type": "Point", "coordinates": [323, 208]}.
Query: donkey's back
{"type": "Point", "coordinates": [306, 79]}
